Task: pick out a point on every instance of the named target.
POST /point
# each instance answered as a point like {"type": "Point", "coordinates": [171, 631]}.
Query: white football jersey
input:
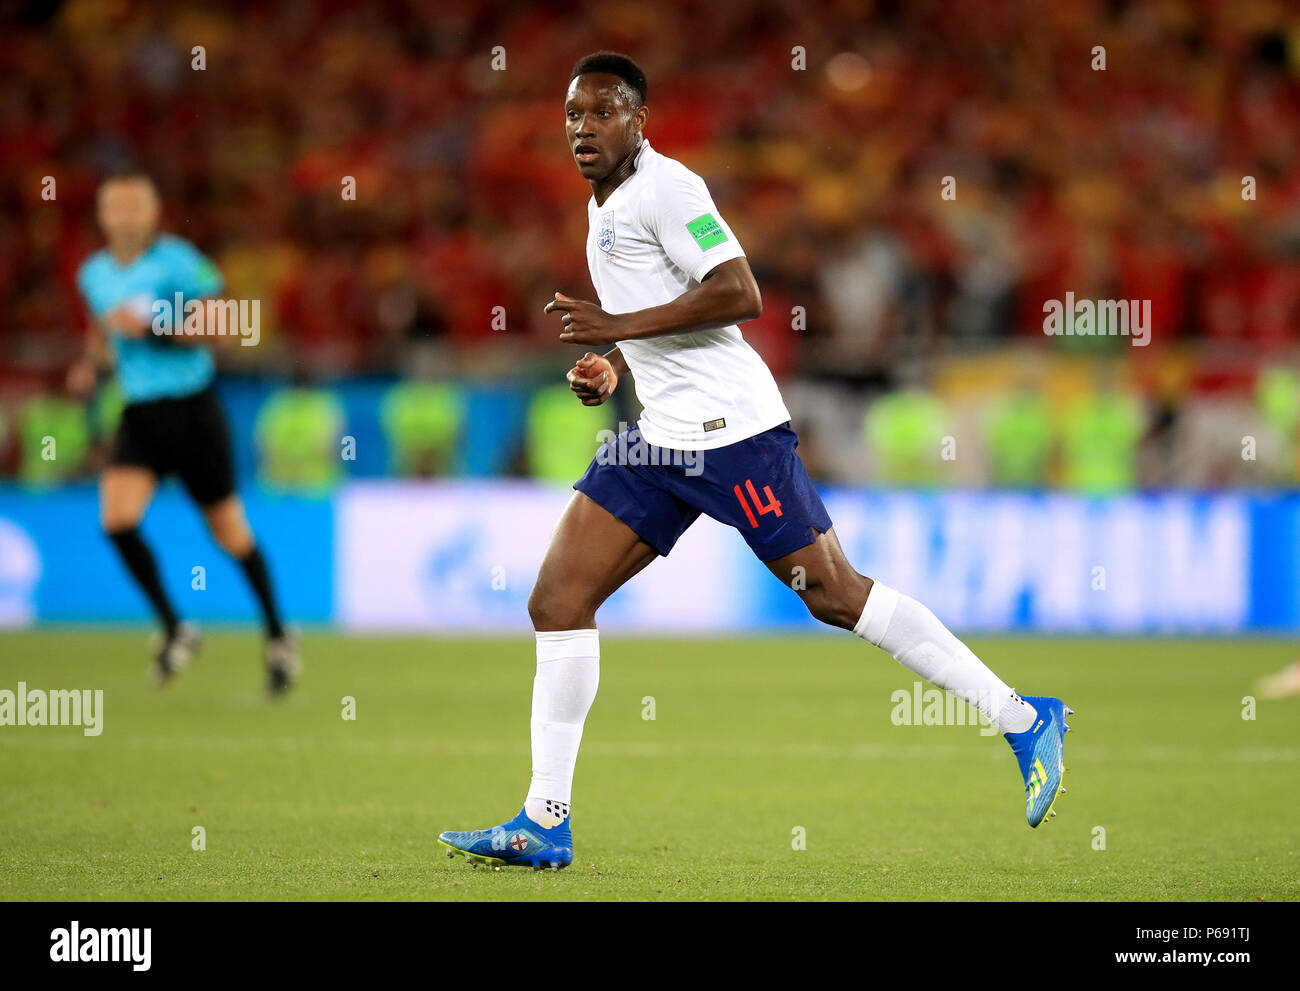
{"type": "Point", "coordinates": [656, 237]}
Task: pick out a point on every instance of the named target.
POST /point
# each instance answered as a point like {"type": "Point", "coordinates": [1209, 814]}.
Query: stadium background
{"type": "Point", "coordinates": [919, 318]}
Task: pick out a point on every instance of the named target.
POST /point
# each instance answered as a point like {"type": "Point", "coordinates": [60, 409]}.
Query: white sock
{"type": "Point", "coordinates": [918, 641]}
{"type": "Point", "coordinates": [568, 671]}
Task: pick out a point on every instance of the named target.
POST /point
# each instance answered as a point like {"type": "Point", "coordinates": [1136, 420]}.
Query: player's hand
{"type": "Point", "coordinates": [593, 379]}
{"type": "Point", "coordinates": [584, 323]}
{"type": "Point", "coordinates": [126, 322]}
{"type": "Point", "coordinates": [81, 379]}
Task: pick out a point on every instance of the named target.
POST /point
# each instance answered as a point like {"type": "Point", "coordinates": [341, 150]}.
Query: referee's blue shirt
{"type": "Point", "coordinates": [149, 369]}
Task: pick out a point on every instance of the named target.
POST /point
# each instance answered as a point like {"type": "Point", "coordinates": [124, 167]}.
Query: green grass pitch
{"type": "Point", "coordinates": [752, 741]}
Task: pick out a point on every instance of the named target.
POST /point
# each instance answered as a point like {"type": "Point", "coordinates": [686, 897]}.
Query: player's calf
{"type": "Point", "coordinates": [827, 584]}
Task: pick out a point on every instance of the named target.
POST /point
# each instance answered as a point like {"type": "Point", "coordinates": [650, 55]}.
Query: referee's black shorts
{"type": "Point", "coordinates": [184, 436]}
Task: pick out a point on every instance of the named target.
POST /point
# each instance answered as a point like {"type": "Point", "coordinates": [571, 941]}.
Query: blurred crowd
{"type": "Point", "coordinates": [911, 181]}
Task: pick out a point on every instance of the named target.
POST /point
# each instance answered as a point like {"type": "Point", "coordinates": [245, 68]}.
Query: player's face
{"type": "Point", "coordinates": [600, 124]}
{"type": "Point", "coordinates": [128, 212]}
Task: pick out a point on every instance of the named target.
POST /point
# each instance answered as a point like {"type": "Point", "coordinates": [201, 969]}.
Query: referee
{"type": "Point", "coordinates": [172, 422]}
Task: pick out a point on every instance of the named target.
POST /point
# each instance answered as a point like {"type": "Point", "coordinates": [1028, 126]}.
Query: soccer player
{"type": "Point", "coordinates": [172, 422]}
{"type": "Point", "coordinates": [673, 284]}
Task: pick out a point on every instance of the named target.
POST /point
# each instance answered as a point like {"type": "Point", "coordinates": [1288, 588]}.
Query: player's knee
{"type": "Point", "coordinates": [232, 536]}
{"type": "Point", "coordinates": [112, 520]}
{"type": "Point", "coordinates": [551, 610]}
{"type": "Point", "coordinates": [832, 608]}
{"type": "Point", "coordinates": [821, 607]}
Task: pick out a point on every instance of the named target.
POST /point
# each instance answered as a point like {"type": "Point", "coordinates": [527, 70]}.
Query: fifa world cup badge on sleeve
{"type": "Point", "coordinates": [707, 231]}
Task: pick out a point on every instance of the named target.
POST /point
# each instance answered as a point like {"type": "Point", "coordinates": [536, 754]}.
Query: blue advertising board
{"type": "Point", "coordinates": [428, 556]}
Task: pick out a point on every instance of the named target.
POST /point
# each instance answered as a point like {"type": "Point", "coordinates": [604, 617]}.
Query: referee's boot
{"type": "Point", "coordinates": [175, 653]}
{"type": "Point", "coordinates": [283, 663]}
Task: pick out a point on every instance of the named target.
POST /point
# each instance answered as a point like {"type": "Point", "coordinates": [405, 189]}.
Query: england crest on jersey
{"type": "Point", "coordinates": [605, 239]}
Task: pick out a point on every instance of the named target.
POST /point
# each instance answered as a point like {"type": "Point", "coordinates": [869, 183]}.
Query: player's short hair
{"type": "Point", "coordinates": [615, 65]}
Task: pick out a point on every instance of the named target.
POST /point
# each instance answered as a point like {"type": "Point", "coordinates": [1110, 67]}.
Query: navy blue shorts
{"type": "Point", "coordinates": [758, 485]}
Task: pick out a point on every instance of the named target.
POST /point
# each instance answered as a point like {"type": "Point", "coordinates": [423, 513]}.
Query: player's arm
{"type": "Point", "coordinates": [84, 372]}
{"type": "Point", "coordinates": [727, 295]}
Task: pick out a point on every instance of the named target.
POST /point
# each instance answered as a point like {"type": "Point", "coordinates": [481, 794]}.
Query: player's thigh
{"type": "Point", "coordinates": [823, 577]}
{"type": "Point", "coordinates": [125, 492]}
{"type": "Point", "coordinates": [202, 455]}
{"type": "Point", "coordinates": [591, 555]}
{"type": "Point", "coordinates": [821, 562]}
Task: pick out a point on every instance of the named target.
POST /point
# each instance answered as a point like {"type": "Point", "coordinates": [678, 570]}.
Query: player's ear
{"type": "Point", "coordinates": [641, 116]}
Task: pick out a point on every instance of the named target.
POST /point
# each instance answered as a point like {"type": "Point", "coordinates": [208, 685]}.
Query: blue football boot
{"type": "Point", "coordinates": [517, 843]}
{"type": "Point", "coordinates": [1040, 750]}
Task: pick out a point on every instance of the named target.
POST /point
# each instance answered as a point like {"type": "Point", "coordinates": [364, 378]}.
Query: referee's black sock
{"type": "Point", "coordinates": [139, 561]}
{"type": "Point", "coordinates": [255, 570]}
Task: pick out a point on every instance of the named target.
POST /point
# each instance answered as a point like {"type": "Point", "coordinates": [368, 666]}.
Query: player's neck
{"type": "Point", "coordinates": [125, 254]}
{"type": "Point", "coordinates": [603, 189]}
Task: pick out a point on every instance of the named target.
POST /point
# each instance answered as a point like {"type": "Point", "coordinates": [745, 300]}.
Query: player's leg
{"type": "Point", "coordinates": [125, 491]}
{"type": "Point", "coordinates": [762, 489]}
{"type": "Point", "coordinates": [206, 468]}
{"type": "Point", "coordinates": [836, 594]}
{"type": "Point", "coordinates": [229, 528]}
{"type": "Point", "coordinates": [617, 522]}
{"type": "Point", "coordinates": [591, 555]}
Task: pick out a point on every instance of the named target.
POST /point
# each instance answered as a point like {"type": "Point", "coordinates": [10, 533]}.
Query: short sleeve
{"type": "Point", "coordinates": [689, 227]}
{"type": "Point", "coordinates": [192, 273]}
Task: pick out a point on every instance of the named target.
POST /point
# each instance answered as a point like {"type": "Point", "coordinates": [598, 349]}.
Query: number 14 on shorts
{"type": "Point", "coordinates": [773, 506]}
